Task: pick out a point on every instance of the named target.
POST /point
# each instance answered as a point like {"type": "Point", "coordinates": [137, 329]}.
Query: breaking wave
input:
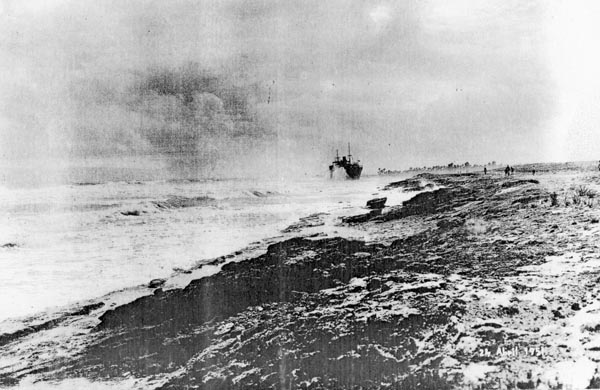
{"type": "Point", "coordinates": [261, 194]}
{"type": "Point", "coordinates": [178, 202]}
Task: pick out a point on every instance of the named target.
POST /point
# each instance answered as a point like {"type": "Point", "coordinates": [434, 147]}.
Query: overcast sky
{"type": "Point", "coordinates": [224, 85]}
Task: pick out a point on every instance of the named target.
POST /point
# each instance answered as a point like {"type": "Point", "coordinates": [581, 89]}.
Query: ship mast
{"type": "Point", "coordinates": [349, 155]}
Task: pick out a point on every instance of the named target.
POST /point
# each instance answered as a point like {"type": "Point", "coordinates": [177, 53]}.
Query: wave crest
{"type": "Point", "coordinates": [178, 202]}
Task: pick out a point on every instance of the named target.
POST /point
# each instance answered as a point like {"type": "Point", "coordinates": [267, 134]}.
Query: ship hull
{"type": "Point", "coordinates": [353, 171]}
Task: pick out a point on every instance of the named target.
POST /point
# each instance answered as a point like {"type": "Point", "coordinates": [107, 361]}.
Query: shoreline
{"type": "Point", "coordinates": [102, 250]}
{"type": "Point", "coordinates": [456, 272]}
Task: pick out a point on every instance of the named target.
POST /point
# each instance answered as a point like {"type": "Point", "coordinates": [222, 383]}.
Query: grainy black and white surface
{"type": "Point", "coordinates": [168, 219]}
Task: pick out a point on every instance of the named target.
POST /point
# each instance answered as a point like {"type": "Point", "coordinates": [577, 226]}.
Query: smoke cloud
{"type": "Point", "coordinates": [194, 116]}
{"type": "Point", "coordinates": [191, 116]}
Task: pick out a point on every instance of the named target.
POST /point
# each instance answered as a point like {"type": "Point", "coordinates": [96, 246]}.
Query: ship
{"type": "Point", "coordinates": [353, 169]}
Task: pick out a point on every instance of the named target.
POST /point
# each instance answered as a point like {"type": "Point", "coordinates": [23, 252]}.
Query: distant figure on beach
{"type": "Point", "coordinates": [484, 170]}
{"type": "Point", "coordinates": [599, 165]}
{"type": "Point", "coordinates": [533, 171]}
{"type": "Point", "coordinates": [512, 170]}
{"type": "Point", "coordinates": [507, 171]}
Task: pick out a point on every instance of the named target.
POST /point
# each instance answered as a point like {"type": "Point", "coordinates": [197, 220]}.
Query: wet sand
{"type": "Point", "coordinates": [479, 281]}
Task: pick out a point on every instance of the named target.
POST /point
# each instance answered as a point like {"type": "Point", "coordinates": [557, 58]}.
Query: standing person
{"type": "Point", "coordinates": [507, 171]}
{"type": "Point", "coordinates": [533, 172]}
{"type": "Point", "coordinates": [512, 170]}
{"type": "Point", "coordinates": [484, 170]}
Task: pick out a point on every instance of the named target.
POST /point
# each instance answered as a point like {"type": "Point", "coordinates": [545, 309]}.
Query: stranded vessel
{"type": "Point", "coordinates": [353, 169]}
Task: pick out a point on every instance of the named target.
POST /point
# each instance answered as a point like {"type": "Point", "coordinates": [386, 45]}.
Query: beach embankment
{"type": "Point", "coordinates": [489, 281]}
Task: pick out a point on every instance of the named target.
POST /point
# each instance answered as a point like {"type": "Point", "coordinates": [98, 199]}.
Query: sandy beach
{"type": "Point", "coordinates": [478, 281]}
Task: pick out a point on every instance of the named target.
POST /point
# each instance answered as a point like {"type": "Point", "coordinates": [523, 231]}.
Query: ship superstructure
{"type": "Point", "coordinates": [352, 169]}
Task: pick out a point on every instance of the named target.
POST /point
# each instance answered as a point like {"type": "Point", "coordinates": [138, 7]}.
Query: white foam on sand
{"type": "Point", "coordinates": [474, 373]}
{"type": "Point", "coordinates": [536, 297]}
{"type": "Point", "coordinates": [497, 299]}
{"type": "Point", "coordinates": [577, 333]}
{"type": "Point", "coordinates": [575, 374]}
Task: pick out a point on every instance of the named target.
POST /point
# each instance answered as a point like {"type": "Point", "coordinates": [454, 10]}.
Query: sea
{"type": "Point", "coordinates": [62, 244]}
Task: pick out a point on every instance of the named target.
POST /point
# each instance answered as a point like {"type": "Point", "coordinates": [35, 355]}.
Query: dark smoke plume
{"type": "Point", "coordinates": [194, 116]}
